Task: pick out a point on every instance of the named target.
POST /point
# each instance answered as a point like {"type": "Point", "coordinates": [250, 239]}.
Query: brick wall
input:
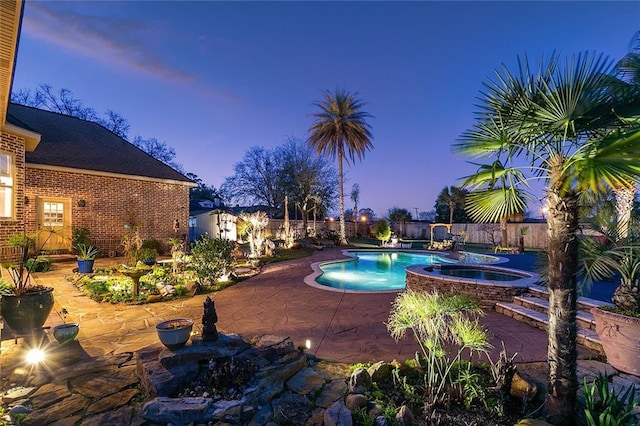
{"type": "Point", "coordinates": [110, 203]}
{"type": "Point", "coordinates": [13, 145]}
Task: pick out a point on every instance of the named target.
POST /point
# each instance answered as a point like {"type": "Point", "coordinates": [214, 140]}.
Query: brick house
{"type": "Point", "coordinates": [59, 172]}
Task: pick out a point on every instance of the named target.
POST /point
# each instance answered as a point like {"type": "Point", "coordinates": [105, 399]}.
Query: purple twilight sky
{"type": "Point", "coordinates": [214, 78]}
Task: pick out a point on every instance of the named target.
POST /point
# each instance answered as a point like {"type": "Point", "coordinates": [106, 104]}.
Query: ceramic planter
{"type": "Point", "coordinates": [65, 333]}
{"type": "Point", "coordinates": [25, 314]}
{"type": "Point", "coordinates": [620, 339]}
{"type": "Point", "coordinates": [85, 266]}
{"type": "Point", "coordinates": [174, 333]}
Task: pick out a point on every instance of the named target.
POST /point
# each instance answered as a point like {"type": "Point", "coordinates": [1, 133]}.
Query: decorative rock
{"type": "Point", "coordinates": [176, 410]}
{"type": "Point", "coordinates": [317, 418]}
{"type": "Point", "coordinates": [305, 381]}
{"type": "Point", "coordinates": [590, 369]}
{"type": "Point", "coordinates": [19, 409]}
{"type": "Point", "coordinates": [338, 415]}
{"type": "Point", "coordinates": [72, 421]}
{"type": "Point", "coordinates": [532, 422]}
{"type": "Point", "coordinates": [112, 401]}
{"type": "Point", "coordinates": [381, 421]}
{"type": "Point", "coordinates": [360, 381]}
{"type": "Point", "coordinates": [225, 411]}
{"type": "Point", "coordinates": [381, 372]}
{"type": "Point", "coordinates": [65, 408]}
{"type": "Point", "coordinates": [261, 417]}
{"type": "Point", "coordinates": [49, 394]}
{"type": "Point", "coordinates": [331, 392]}
{"type": "Point", "coordinates": [523, 388]}
{"type": "Point", "coordinates": [14, 394]}
{"type": "Point", "coordinates": [374, 410]}
{"type": "Point", "coordinates": [405, 417]}
{"type": "Point", "coordinates": [291, 408]}
{"type": "Point", "coordinates": [99, 385]}
{"type": "Point", "coordinates": [122, 416]}
{"type": "Point", "coordinates": [355, 400]}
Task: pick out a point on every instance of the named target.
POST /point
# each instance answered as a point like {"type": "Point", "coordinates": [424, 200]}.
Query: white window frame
{"type": "Point", "coordinates": [7, 186]}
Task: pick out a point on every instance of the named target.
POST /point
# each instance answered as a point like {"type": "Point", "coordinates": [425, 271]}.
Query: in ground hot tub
{"type": "Point", "coordinates": [488, 284]}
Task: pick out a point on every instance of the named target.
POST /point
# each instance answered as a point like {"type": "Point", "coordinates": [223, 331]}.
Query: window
{"type": "Point", "coordinates": [6, 186]}
{"type": "Point", "coordinates": [53, 214]}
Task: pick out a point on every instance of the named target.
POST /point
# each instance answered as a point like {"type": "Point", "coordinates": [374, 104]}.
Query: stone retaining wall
{"type": "Point", "coordinates": [487, 293]}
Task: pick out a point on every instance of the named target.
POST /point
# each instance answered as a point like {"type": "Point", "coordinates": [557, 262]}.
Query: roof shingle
{"type": "Point", "coordinates": [80, 144]}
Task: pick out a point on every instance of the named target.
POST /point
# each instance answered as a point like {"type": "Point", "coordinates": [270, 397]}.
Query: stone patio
{"type": "Point", "coordinates": [92, 378]}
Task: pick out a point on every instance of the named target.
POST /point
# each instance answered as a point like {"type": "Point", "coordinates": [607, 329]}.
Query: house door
{"type": "Point", "coordinates": [54, 224]}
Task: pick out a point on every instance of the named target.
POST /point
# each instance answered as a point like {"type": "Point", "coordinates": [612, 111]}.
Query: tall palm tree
{"type": "Point", "coordinates": [563, 121]}
{"type": "Point", "coordinates": [628, 71]}
{"type": "Point", "coordinates": [355, 197]}
{"type": "Point", "coordinates": [341, 131]}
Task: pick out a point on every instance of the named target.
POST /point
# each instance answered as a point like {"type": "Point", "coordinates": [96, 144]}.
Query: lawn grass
{"type": "Point", "coordinates": [288, 254]}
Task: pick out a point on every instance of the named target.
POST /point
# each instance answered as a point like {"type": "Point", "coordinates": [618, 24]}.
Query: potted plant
{"type": "Point", "coordinates": [86, 256]}
{"type": "Point", "coordinates": [146, 255]}
{"type": "Point", "coordinates": [25, 307]}
{"type": "Point", "coordinates": [67, 331]}
{"type": "Point", "coordinates": [174, 333]}
{"type": "Point", "coordinates": [618, 327]}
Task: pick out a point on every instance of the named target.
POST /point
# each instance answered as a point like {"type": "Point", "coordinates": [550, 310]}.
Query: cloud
{"type": "Point", "coordinates": [124, 43]}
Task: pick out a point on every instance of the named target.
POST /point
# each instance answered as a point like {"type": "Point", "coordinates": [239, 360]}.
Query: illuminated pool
{"type": "Point", "coordinates": [373, 270]}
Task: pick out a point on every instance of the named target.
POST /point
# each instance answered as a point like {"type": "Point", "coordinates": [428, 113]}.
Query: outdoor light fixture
{"type": "Point", "coordinates": [307, 344]}
{"type": "Point", "coordinates": [82, 203]}
{"type": "Point", "coordinates": [35, 356]}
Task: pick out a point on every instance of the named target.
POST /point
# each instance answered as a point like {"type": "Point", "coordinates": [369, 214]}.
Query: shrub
{"type": "Point", "coordinates": [154, 244]}
{"type": "Point", "coordinates": [211, 258]}
{"type": "Point", "coordinates": [39, 264]}
{"type": "Point", "coordinates": [144, 254]}
{"type": "Point", "coordinates": [80, 236]}
{"type": "Point", "coordinates": [382, 231]}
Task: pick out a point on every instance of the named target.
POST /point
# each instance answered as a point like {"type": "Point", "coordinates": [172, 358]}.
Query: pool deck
{"type": "Point", "coordinates": [345, 327]}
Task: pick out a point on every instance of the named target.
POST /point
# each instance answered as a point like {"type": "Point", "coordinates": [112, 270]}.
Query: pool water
{"type": "Point", "coordinates": [477, 274]}
{"type": "Point", "coordinates": [374, 270]}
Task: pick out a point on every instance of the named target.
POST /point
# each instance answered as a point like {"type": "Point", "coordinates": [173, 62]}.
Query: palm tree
{"type": "Point", "coordinates": [453, 197]}
{"type": "Point", "coordinates": [355, 197]}
{"type": "Point", "coordinates": [628, 71]}
{"type": "Point", "coordinates": [399, 216]}
{"type": "Point", "coordinates": [496, 185]}
{"type": "Point", "coordinates": [341, 131]}
{"type": "Point", "coordinates": [563, 122]}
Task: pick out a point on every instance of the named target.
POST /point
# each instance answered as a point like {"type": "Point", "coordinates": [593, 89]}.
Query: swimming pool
{"type": "Point", "coordinates": [374, 270]}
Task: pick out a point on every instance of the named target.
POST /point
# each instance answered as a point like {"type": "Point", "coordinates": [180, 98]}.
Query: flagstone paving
{"type": "Point", "coordinates": [342, 327]}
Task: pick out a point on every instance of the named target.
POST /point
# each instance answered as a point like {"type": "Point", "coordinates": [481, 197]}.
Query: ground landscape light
{"type": "Point", "coordinates": [35, 356]}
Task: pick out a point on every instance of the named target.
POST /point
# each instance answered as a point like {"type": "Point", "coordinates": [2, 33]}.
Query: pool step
{"type": "Point", "coordinates": [533, 311]}
{"type": "Point", "coordinates": [584, 303]}
{"type": "Point", "coordinates": [584, 318]}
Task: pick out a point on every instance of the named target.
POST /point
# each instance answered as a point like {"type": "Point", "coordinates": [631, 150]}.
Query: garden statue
{"type": "Point", "coordinates": [209, 320]}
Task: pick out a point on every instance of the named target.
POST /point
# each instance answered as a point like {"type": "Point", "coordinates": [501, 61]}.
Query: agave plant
{"type": "Point", "coordinates": [622, 261]}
